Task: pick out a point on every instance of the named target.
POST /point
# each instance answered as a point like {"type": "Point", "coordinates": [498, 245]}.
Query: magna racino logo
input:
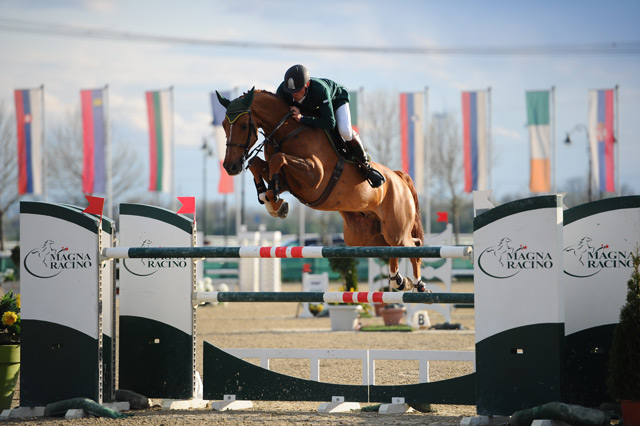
{"type": "Point", "coordinates": [146, 267]}
{"type": "Point", "coordinates": [586, 258]}
{"type": "Point", "coordinates": [505, 259]}
{"type": "Point", "coordinates": [50, 260]}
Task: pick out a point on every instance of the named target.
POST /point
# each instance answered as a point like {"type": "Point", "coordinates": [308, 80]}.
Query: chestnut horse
{"type": "Point", "coordinates": [303, 161]}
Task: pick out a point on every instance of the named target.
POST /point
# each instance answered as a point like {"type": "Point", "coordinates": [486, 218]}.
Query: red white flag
{"type": "Point", "coordinates": [602, 139]}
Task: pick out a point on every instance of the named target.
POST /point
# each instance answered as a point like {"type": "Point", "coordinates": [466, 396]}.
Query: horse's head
{"type": "Point", "coordinates": [240, 129]}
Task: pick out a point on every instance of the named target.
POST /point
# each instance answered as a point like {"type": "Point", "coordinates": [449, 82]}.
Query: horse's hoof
{"type": "Point", "coordinates": [406, 285]}
{"type": "Point", "coordinates": [420, 287]}
{"type": "Point", "coordinates": [283, 211]}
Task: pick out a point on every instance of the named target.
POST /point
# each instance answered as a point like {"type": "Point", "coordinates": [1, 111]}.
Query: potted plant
{"type": "Point", "coordinates": [623, 381]}
{"type": "Point", "coordinates": [393, 313]}
{"type": "Point", "coordinates": [344, 316]}
{"type": "Point", "coordinates": [9, 347]}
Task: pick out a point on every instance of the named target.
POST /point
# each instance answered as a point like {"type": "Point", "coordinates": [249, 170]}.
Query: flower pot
{"type": "Point", "coordinates": [378, 307]}
{"type": "Point", "coordinates": [393, 316]}
{"type": "Point", "coordinates": [630, 412]}
{"type": "Point", "coordinates": [344, 317]}
{"type": "Point", "coordinates": [9, 369]}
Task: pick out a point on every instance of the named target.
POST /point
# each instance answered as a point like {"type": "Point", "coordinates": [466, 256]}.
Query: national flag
{"type": "Point", "coordinates": [93, 136]}
{"type": "Point", "coordinates": [188, 205]}
{"type": "Point", "coordinates": [160, 140]}
{"type": "Point", "coordinates": [602, 139]}
{"type": "Point", "coordinates": [412, 137]}
{"type": "Point", "coordinates": [225, 184]}
{"type": "Point", "coordinates": [538, 120]}
{"type": "Point", "coordinates": [353, 109]}
{"type": "Point", "coordinates": [474, 121]}
{"type": "Point", "coordinates": [29, 116]}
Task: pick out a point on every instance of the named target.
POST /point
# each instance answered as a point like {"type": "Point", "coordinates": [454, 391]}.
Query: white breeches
{"type": "Point", "coordinates": [343, 122]}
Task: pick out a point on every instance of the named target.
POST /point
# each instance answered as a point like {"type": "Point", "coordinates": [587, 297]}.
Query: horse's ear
{"type": "Point", "coordinates": [223, 101]}
{"type": "Point", "coordinates": [248, 99]}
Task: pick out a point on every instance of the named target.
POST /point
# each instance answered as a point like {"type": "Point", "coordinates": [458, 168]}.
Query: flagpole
{"type": "Point", "coordinates": [489, 140]}
{"type": "Point", "coordinates": [427, 160]}
{"type": "Point", "coordinates": [174, 203]}
{"type": "Point", "coordinates": [44, 146]}
{"type": "Point", "coordinates": [616, 135]}
{"type": "Point", "coordinates": [553, 139]}
{"type": "Point", "coordinates": [107, 138]}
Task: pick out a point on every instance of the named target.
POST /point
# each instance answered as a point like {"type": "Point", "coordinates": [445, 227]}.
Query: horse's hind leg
{"type": "Point", "coordinates": [400, 283]}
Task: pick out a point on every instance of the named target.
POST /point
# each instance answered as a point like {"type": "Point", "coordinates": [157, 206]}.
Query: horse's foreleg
{"type": "Point", "coordinates": [299, 169]}
{"type": "Point", "coordinates": [260, 171]}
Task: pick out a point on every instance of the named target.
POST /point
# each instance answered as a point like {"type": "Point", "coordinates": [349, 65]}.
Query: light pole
{"type": "Point", "coordinates": [207, 153]}
{"type": "Point", "coordinates": [568, 141]}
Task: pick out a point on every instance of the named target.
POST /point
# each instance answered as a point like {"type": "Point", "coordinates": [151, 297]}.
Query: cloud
{"type": "Point", "coordinates": [509, 134]}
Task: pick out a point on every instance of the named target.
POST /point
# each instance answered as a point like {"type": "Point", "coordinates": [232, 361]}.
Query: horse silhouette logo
{"type": "Point", "coordinates": [501, 250]}
{"type": "Point", "coordinates": [494, 260]}
{"type": "Point", "coordinates": [581, 250]}
{"type": "Point", "coordinates": [140, 267]}
{"type": "Point", "coordinates": [38, 261]}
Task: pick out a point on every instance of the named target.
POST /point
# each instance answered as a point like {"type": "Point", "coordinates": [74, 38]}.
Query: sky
{"type": "Point", "coordinates": [65, 64]}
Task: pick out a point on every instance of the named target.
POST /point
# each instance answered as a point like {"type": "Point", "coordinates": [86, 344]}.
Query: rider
{"type": "Point", "coordinates": [325, 105]}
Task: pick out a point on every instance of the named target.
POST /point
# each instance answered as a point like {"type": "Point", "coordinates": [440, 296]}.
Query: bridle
{"type": "Point", "coordinates": [252, 131]}
{"type": "Point", "coordinates": [249, 153]}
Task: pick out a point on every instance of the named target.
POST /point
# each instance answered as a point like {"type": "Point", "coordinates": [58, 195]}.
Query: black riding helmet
{"type": "Point", "coordinates": [295, 78]}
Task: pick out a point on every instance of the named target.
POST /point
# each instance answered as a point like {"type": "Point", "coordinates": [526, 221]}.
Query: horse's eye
{"type": "Point", "coordinates": [245, 126]}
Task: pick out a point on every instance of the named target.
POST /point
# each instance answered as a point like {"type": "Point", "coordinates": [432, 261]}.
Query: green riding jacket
{"type": "Point", "coordinates": [323, 97]}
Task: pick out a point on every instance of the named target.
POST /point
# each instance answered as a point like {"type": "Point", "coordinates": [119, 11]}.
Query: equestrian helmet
{"type": "Point", "coordinates": [295, 78]}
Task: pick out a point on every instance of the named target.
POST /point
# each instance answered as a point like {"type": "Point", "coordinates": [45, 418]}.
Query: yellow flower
{"type": "Point", "coordinates": [18, 301]}
{"type": "Point", "coordinates": [9, 318]}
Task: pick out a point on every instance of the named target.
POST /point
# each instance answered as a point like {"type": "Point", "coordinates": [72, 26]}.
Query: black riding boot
{"type": "Point", "coordinates": [374, 177]}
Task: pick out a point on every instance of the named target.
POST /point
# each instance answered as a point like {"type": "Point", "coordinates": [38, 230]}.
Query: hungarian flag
{"type": "Point", "coordinates": [93, 135]}
{"type": "Point", "coordinates": [538, 120]}
{"type": "Point", "coordinates": [29, 118]}
{"type": "Point", "coordinates": [602, 139]}
{"type": "Point", "coordinates": [160, 140]}
{"type": "Point", "coordinates": [225, 184]}
{"type": "Point", "coordinates": [474, 121]}
{"type": "Point", "coordinates": [412, 137]}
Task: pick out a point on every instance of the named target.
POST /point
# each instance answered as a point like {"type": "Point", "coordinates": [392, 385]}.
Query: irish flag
{"type": "Point", "coordinates": [474, 123]}
{"type": "Point", "coordinates": [538, 120]}
{"type": "Point", "coordinates": [602, 139]}
{"type": "Point", "coordinates": [412, 137]}
{"type": "Point", "coordinates": [29, 130]}
{"type": "Point", "coordinates": [160, 140]}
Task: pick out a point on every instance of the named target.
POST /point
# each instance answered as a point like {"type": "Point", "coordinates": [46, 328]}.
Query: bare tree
{"type": "Point", "coordinates": [446, 163]}
{"type": "Point", "coordinates": [380, 128]}
{"type": "Point", "coordinates": [65, 153]}
{"type": "Point", "coordinates": [8, 166]}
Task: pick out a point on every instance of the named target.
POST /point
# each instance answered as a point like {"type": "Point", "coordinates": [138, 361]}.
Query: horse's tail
{"type": "Point", "coordinates": [417, 231]}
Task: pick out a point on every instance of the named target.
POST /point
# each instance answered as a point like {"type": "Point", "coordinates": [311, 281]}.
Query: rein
{"type": "Point", "coordinates": [249, 153]}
